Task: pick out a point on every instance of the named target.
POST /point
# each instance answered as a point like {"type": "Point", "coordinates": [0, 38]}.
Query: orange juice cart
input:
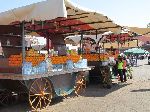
{"type": "Point", "coordinates": [97, 56]}
{"type": "Point", "coordinates": [36, 76]}
{"type": "Point", "coordinates": [24, 70]}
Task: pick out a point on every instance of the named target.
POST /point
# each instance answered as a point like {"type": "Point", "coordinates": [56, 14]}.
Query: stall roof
{"type": "Point", "coordinates": [41, 11]}
{"type": "Point", "coordinates": [126, 44]}
{"type": "Point", "coordinates": [80, 19]}
{"type": "Point", "coordinates": [142, 31]}
{"type": "Point", "coordinates": [10, 30]}
{"type": "Point", "coordinates": [145, 38]}
{"type": "Point", "coordinates": [55, 22]}
{"type": "Point", "coordinates": [94, 19]}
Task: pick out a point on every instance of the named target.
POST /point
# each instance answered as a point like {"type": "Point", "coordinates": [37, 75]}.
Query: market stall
{"type": "Point", "coordinates": [25, 70]}
{"type": "Point", "coordinates": [38, 75]}
{"type": "Point", "coordinates": [96, 54]}
{"type": "Point", "coordinates": [102, 58]}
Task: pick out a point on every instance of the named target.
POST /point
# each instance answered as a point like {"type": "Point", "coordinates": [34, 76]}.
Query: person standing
{"type": "Point", "coordinates": [120, 68]}
{"type": "Point", "coordinates": [115, 68]}
{"type": "Point", "coordinates": [124, 69]}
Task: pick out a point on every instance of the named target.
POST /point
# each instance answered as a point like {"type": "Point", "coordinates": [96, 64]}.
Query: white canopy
{"type": "Point", "coordinates": [45, 10]}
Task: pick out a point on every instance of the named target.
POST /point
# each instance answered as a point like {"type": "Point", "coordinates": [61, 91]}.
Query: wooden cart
{"type": "Point", "coordinates": [40, 89]}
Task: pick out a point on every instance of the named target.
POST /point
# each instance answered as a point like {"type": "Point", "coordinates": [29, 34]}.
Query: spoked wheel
{"type": "Point", "coordinates": [7, 98]}
{"type": "Point", "coordinates": [80, 84]}
{"type": "Point", "coordinates": [40, 93]}
{"type": "Point", "coordinates": [107, 82]}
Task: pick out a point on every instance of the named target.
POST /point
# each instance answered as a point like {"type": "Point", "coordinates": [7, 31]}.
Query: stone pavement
{"type": "Point", "coordinates": [133, 96]}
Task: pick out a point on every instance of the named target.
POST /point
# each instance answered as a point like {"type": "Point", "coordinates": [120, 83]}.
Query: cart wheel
{"type": "Point", "coordinates": [7, 98]}
{"type": "Point", "coordinates": [40, 93]}
{"type": "Point", "coordinates": [80, 84]}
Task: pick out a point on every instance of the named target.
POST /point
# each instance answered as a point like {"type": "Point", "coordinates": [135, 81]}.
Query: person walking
{"type": "Point", "coordinates": [120, 68]}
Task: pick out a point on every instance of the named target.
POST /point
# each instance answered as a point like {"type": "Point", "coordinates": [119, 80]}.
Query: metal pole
{"type": "Point", "coordinates": [47, 42]}
{"type": "Point", "coordinates": [137, 42]}
{"type": "Point", "coordinates": [103, 51]}
{"type": "Point", "coordinates": [96, 34]}
{"type": "Point", "coordinates": [118, 39]}
{"type": "Point", "coordinates": [98, 46]}
{"type": "Point", "coordinates": [79, 49]}
{"type": "Point", "coordinates": [82, 42]}
{"type": "Point", "coordinates": [136, 59]}
{"type": "Point", "coordinates": [23, 42]}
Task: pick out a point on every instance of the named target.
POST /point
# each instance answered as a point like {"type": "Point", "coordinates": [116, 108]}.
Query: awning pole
{"type": "Point", "coordinates": [96, 34]}
{"type": "Point", "coordinates": [82, 42]}
{"type": "Point", "coordinates": [47, 43]}
{"type": "Point", "coordinates": [98, 46]}
{"type": "Point", "coordinates": [23, 42]}
{"type": "Point", "coordinates": [103, 50]}
{"type": "Point", "coordinates": [137, 42]}
{"type": "Point", "coordinates": [118, 39]}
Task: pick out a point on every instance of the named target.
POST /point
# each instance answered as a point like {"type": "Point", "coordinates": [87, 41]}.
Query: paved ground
{"type": "Point", "coordinates": [133, 96]}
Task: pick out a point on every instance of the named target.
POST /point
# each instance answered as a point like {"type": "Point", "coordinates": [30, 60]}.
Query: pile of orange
{"type": "Point", "coordinates": [95, 57]}
{"type": "Point", "coordinates": [15, 60]}
{"type": "Point", "coordinates": [63, 59]}
{"type": "Point", "coordinates": [74, 58]}
{"type": "Point", "coordinates": [31, 56]}
{"type": "Point", "coordinates": [32, 52]}
{"type": "Point", "coordinates": [34, 57]}
{"type": "Point", "coordinates": [58, 59]}
{"type": "Point", "coordinates": [35, 60]}
{"type": "Point", "coordinates": [91, 57]}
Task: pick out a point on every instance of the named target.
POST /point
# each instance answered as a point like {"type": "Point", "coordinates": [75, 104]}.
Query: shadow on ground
{"type": "Point", "coordinates": [137, 65]}
{"type": "Point", "coordinates": [19, 107]}
{"type": "Point", "coordinates": [141, 90]}
{"type": "Point", "coordinates": [91, 91]}
{"type": "Point", "coordinates": [99, 91]}
{"type": "Point", "coordinates": [24, 106]}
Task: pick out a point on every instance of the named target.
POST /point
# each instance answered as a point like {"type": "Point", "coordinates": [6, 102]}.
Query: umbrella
{"type": "Point", "coordinates": [130, 50]}
{"type": "Point", "coordinates": [139, 51]}
{"type": "Point", "coordinates": [136, 51]}
{"type": "Point", "coordinates": [147, 52]}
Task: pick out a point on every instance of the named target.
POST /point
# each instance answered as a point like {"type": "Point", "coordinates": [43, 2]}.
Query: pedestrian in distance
{"type": "Point", "coordinates": [124, 69]}
{"type": "Point", "coordinates": [120, 68]}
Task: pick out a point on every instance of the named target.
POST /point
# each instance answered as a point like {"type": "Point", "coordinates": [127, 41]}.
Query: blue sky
{"type": "Point", "coordinates": [122, 12]}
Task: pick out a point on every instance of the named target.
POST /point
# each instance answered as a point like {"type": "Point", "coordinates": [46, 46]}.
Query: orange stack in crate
{"type": "Point", "coordinates": [74, 58]}
{"type": "Point", "coordinates": [95, 57]}
{"type": "Point", "coordinates": [63, 59]}
{"type": "Point", "coordinates": [31, 56]}
{"type": "Point", "coordinates": [15, 60]}
{"type": "Point", "coordinates": [34, 57]}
